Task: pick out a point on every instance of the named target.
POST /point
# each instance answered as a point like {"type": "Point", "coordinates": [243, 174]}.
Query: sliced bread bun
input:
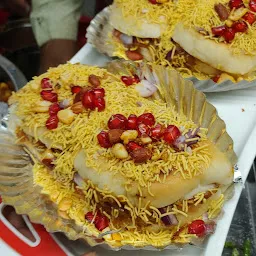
{"type": "Point", "coordinates": [135, 26]}
{"type": "Point", "coordinates": [174, 188]}
{"type": "Point", "coordinates": [217, 55]}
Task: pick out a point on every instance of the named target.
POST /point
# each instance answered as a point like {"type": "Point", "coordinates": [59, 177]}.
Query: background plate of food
{"type": "Point", "coordinates": [208, 42]}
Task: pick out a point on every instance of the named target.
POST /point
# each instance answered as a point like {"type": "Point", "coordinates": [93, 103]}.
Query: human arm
{"type": "Point", "coordinates": [55, 25]}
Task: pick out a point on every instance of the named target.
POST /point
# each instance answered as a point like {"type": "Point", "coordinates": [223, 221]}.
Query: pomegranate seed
{"type": "Point", "coordinates": [147, 119]}
{"type": "Point", "coordinates": [131, 146]}
{"type": "Point", "coordinates": [240, 26]}
{"type": "Point", "coordinates": [52, 122]}
{"type": "Point", "coordinates": [197, 227]}
{"type": "Point", "coordinates": [132, 122]}
{"type": "Point", "coordinates": [76, 89]}
{"type": "Point", "coordinates": [99, 103]}
{"type": "Point", "coordinates": [54, 109]}
{"type": "Point", "coordinates": [99, 92]}
{"type": "Point", "coordinates": [157, 132]}
{"type": "Point", "coordinates": [229, 34]}
{"type": "Point", "coordinates": [79, 95]}
{"type": "Point", "coordinates": [102, 222]}
{"type": "Point", "coordinates": [216, 78]}
{"type": "Point", "coordinates": [143, 129]}
{"type": "Point", "coordinates": [153, 1]}
{"type": "Point", "coordinates": [46, 83]}
{"type": "Point", "coordinates": [171, 133]}
{"type": "Point", "coordinates": [249, 17]}
{"type": "Point", "coordinates": [48, 163]}
{"type": "Point", "coordinates": [236, 4]}
{"type": "Point", "coordinates": [91, 217]}
{"type": "Point", "coordinates": [117, 33]}
{"type": "Point", "coordinates": [219, 31]}
{"type": "Point", "coordinates": [88, 100]}
{"type": "Point", "coordinates": [252, 5]}
{"type": "Point", "coordinates": [117, 121]}
{"type": "Point", "coordinates": [136, 79]}
{"type": "Point", "coordinates": [49, 96]}
{"type": "Point", "coordinates": [103, 139]}
{"type": "Point", "coordinates": [127, 80]}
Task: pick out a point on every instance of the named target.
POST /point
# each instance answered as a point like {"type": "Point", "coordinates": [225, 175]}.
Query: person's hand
{"type": "Point", "coordinates": [55, 52]}
{"type": "Point", "coordinates": [18, 222]}
{"type": "Point", "coordinates": [18, 7]}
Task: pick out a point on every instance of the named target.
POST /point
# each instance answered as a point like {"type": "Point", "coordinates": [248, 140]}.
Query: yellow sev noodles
{"type": "Point", "coordinates": [146, 11]}
{"type": "Point", "coordinates": [82, 133]}
{"type": "Point", "coordinates": [79, 205]}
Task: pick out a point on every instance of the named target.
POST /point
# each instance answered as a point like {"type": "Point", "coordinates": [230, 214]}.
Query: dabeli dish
{"type": "Point", "coordinates": [126, 166]}
{"type": "Point", "coordinates": [206, 39]}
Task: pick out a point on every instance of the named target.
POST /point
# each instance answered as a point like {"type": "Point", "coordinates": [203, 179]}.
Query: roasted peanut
{"type": "Point", "coordinates": [145, 140]}
{"type": "Point", "coordinates": [48, 154]}
{"type": "Point", "coordinates": [141, 155]}
{"type": "Point", "coordinates": [116, 237]}
{"type": "Point", "coordinates": [238, 14]}
{"type": "Point", "coordinates": [222, 11]}
{"type": "Point", "coordinates": [119, 151]}
{"type": "Point", "coordinates": [66, 116]}
{"type": "Point", "coordinates": [239, 79]}
{"type": "Point", "coordinates": [115, 135]}
{"type": "Point", "coordinates": [42, 106]}
{"type": "Point", "coordinates": [77, 108]}
{"type": "Point", "coordinates": [229, 23]}
{"type": "Point", "coordinates": [225, 77]}
{"type": "Point", "coordinates": [94, 80]}
{"type": "Point", "coordinates": [65, 204]}
{"type": "Point", "coordinates": [134, 55]}
{"type": "Point", "coordinates": [129, 135]}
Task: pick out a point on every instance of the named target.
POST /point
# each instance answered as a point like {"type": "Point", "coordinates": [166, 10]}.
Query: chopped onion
{"type": "Point", "coordinates": [127, 40]}
{"type": "Point", "coordinates": [205, 217]}
{"type": "Point", "coordinates": [210, 227]}
{"type": "Point", "coordinates": [169, 219]}
{"type": "Point", "coordinates": [146, 54]}
{"type": "Point", "coordinates": [182, 141]}
{"type": "Point", "coordinates": [149, 76]}
{"type": "Point", "coordinates": [169, 56]}
{"type": "Point", "coordinates": [146, 89]}
{"type": "Point", "coordinates": [192, 134]}
{"type": "Point", "coordinates": [189, 150]}
{"type": "Point", "coordinates": [65, 103]}
{"type": "Point", "coordinates": [78, 180]}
